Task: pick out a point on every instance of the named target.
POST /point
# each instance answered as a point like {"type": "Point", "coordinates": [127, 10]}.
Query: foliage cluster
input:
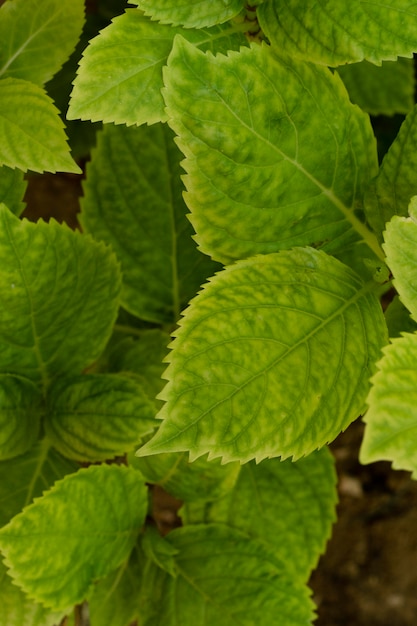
{"type": "Point", "coordinates": [235, 201]}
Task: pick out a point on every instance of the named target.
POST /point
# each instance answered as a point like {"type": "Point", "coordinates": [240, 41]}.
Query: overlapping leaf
{"type": "Point", "coordinates": [59, 292]}
{"type": "Point", "coordinates": [20, 412]}
{"type": "Point", "coordinates": [391, 421]}
{"type": "Point", "coordinates": [12, 189]}
{"type": "Point", "coordinates": [401, 250]}
{"type": "Point", "coordinates": [396, 183]}
{"type": "Point", "coordinates": [381, 90]}
{"type": "Point", "coordinates": [224, 577]}
{"type": "Point", "coordinates": [276, 155]}
{"type": "Point", "coordinates": [86, 526]}
{"type": "Point", "coordinates": [272, 358]}
{"type": "Point", "coordinates": [97, 417]}
{"type": "Point", "coordinates": [18, 610]}
{"type": "Point", "coordinates": [38, 37]}
{"type": "Point", "coordinates": [289, 506]}
{"type": "Point", "coordinates": [32, 133]}
{"type": "Point", "coordinates": [120, 75]}
{"type": "Point", "coordinates": [334, 32]}
{"type": "Point", "coordinates": [199, 481]}
{"type": "Point", "coordinates": [27, 476]}
{"type": "Point", "coordinates": [133, 185]}
{"type": "Point", "coordinates": [194, 14]}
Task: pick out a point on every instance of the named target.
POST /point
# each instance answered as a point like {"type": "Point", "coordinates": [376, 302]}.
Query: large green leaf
{"type": "Point", "coordinates": [191, 14]}
{"type": "Point", "coordinates": [84, 527]}
{"type": "Point", "coordinates": [276, 155]}
{"type": "Point", "coordinates": [97, 417]}
{"type": "Point", "coordinates": [381, 90]}
{"type": "Point", "coordinates": [199, 481]}
{"type": "Point", "coordinates": [272, 358]}
{"type": "Point", "coordinates": [18, 610]}
{"type": "Point", "coordinates": [289, 506]}
{"type": "Point", "coordinates": [139, 192]}
{"type": "Point", "coordinates": [38, 37]}
{"type": "Point", "coordinates": [396, 183]}
{"type": "Point", "coordinates": [120, 75]}
{"type": "Point", "coordinates": [332, 32]}
{"type": "Point", "coordinates": [27, 476]}
{"type": "Point", "coordinates": [59, 292]}
{"type": "Point", "coordinates": [20, 410]}
{"type": "Point", "coordinates": [12, 189]}
{"type": "Point", "coordinates": [32, 133]}
{"type": "Point", "coordinates": [401, 250]}
{"type": "Point", "coordinates": [226, 578]}
{"type": "Point", "coordinates": [391, 421]}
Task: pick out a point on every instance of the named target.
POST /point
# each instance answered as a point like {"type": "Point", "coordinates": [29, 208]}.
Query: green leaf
{"type": "Point", "coordinates": [272, 358]}
{"type": "Point", "coordinates": [391, 421]}
{"type": "Point", "coordinates": [97, 417]}
{"type": "Point", "coordinates": [20, 412]}
{"type": "Point", "coordinates": [159, 551]}
{"type": "Point", "coordinates": [12, 189]}
{"type": "Point", "coordinates": [161, 266]}
{"type": "Point", "coordinates": [32, 133]}
{"type": "Point", "coordinates": [27, 476]}
{"type": "Point", "coordinates": [85, 527]}
{"type": "Point", "coordinates": [18, 610]}
{"type": "Point", "coordinates": [396, 183]}
{"type": "Point", "coordinates": [120, 75]}
{"type": "Point", "coordinates": [59, 292]}
{"type": "Point", "coordinates": [224, 578]}
{"type": "Point", "coordinates": [334, 32]}
{"type": "Point", "coordinates": [381, 90]}
{"type": "Point", "coordinates": [398, 319]}
{"type": "Point", "coordinates": [194, 14]}
{"type": "Point", "coordinates": [288, 506]}
{"type": "Point", "coordinates": [400, 248]}
{"type": "Point", "coordinates": [246, 124]}
{"type": "Point", "coordinates": [38, 37]}
{"type": "Point", "coordinates": [142, 359]}
{"type": "Point", "coordinates": [201, 480]}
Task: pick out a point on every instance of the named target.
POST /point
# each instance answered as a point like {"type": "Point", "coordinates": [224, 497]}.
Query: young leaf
{"type": "Point", "coordinates": [32, 133]}
{"type": "Point", "coordinates": [20, 410]}
{"type": "Point", "coordinates": [38, 37]}
{"type": "Point", "coordinates": [12, 189]}
{"type": "Point", "coordinates": [143, 359]}
{"type": "Point", "coordinates": [195, 14]}
{"type": "Point", "coordinates": [201, 480]}
{"type": "Point", "coordinates": [335, 33]}
{"type": "Point", "coordinates": [18, 610]}
{"type": "Point", "coordinates": [396, 183]}
{"type": "Point", "coordinates": [159, 551]}
{"type": "Point", "coordinates": [246, 124]}
{"type": "Point", "coordinates": [120, 75]}
{"type": "Point", "coordinates": [400, 247]}
{"type": "Point", "coordinates": [80, 530]}
{"type": "Point", "coordinates": [224, 577]}
{"type": "Point", "coordinates": [27, 476]}
{"type": "Point", "coordinates": [59, 292]}
{"type": "Point", "coordinates": [161, 266]}
{"type": "Point", "coordinates": [391, 421]}
{"type": "Point", "coordinates": [97, 417]}
{"type": "Point", "coordinates": [381, 90]}
{"type": "Point", "coordinates": [288, 506]}
{"type": "Point", "coordinates": [272, 358]}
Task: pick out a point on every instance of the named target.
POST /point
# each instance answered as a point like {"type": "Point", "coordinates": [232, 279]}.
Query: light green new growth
{"type": "Point", "coordinates": [36, 38]}
{"type": "Point", "coordinates": [195, 14]}
{"type": "Point", "coordinates": [89, 519]}
{"type": "Point", "coordinates": [59, 292]}
{"type": "Point", "coordinates": [246, 124]}
{"type": "Point", "coordinates": [334, 32]}
{"type": "Point", "coordinates": [271, 359]}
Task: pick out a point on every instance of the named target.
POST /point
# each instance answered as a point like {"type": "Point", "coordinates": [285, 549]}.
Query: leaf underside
{"type": "Point", "coordinates": [272, 358]}
{"type": "Point", "coordinates": [246, 123]}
